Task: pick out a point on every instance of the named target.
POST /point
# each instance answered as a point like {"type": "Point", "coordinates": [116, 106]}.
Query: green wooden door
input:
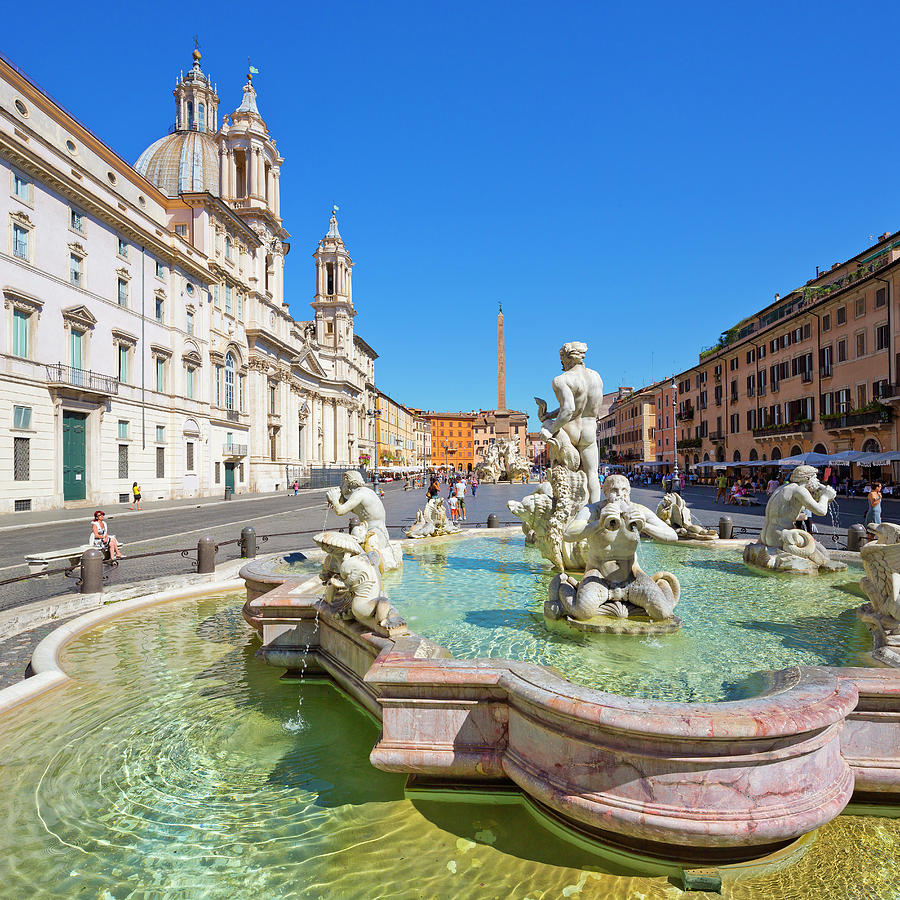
{"type": "Point", "coordinates": [229, 475]}
{"type": "Point", "coordinates": [74, 475]}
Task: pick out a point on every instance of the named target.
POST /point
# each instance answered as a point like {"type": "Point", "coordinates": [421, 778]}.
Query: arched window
{"type": "Point", "coordinates": [720, 454]}
{"type": "Point", "coordinates": [705, 457]}
{"type": "Point", "coordinates": [190, 112]}
{"type": "Point", "coordinates": [754, 456]}
{"type": "Point", "coordinates": [737, 456]}
{"type": "Point", "coordinates": [795, 450]}
{"type": "Point", "coordinates": [819, 448]}
{"type": "Point", "coordinates": [776, 453]}
{"type": "Point", "coordinates": [201, 116]}
{"type": "Point", "coordinates": [871, 446]}
{"type": "Point", "coordinates": [229, 381]}
{"type": "Point", "coordinates": [696, 458]}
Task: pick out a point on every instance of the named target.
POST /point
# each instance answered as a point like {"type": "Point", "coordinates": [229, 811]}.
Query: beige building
{"type": "Point", "coordinates": [404, 437]}
{"type": "Point", "coordinates": [815, 370]}
{"type": "Point", "coordinates": [146, 336]}
{"type": "Point", "coordinates": [487, 430]}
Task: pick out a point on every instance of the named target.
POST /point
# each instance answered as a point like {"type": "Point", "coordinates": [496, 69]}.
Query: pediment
{"type": "Point", "coordinates": [124, 337]}
{"type": "Point", "coordinates": [79, 315]}
{"type": "Point", "coordinates": [309, 362]}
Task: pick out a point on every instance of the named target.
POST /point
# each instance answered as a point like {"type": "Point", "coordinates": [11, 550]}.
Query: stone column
{"type": "Point", "coordinates": [276, 197]}
{"type": "Point", "coordinates": [248, 156]}
{"type": "Point", "coordinates": [270, 190]}
{"type": "Point", "coordinates": [501, 363]}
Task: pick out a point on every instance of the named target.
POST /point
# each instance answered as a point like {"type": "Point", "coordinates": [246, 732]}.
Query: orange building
{"type": "Point", "coordinates": [452, 442]}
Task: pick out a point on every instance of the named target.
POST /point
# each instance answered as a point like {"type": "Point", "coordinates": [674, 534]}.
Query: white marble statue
{"type": "Point", "coordinates": [490, 468]}
{"type": "Point", "coordinates": [571, 429]}
{"type": "Point", "coordinates": [674, 511]}
{"type": "Point", "coordinates": [514, 464]}
{"type": "Point", "coordinates": [781, 546]}
{"type": "Point", "coordinates": [432, 521]}
{"type": "Point", "coordinates": [613, 583]}
{"type": "Point", "coordinates": [881, 560]}
{"type": "Point", "coordinates": [353, 582]}
{"type": "Point", "coordinates": [353, 496]}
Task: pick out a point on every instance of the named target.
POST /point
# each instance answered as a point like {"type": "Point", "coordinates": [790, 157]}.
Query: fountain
{"type": "Point", "coordinates": [782, 547]}
{"type": "Point", "coordinates": [432, 521]}
{"type": "Point", "coordinates": [503, 461]}
{"type": "Point", "coordinates": [674, 512]}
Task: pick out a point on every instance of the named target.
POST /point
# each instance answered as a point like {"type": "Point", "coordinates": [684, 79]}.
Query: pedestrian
{"type": "Point", "coordinates": [474, 485]}
{"type": "Point", "coordinates": [722, 488]}
{"type": "Point", "coordinates": [681, 480]}
{"type": "Point", "coordinates": [453, 503]}
{"type": "Point", "coordinates": [461, 498]}
{"type": "Point", "coordinates": [100, 537]}
{"type": "Point", "coordinates": [802, 521]}
{"type": "Point", "coordinates": [296, 487]}
{"type": "Point", "coordinates": [433, 489]}
{"type": "Point", "coordinates": [135, 496]}
{"type": "Point", "coordinates": [873, 511]}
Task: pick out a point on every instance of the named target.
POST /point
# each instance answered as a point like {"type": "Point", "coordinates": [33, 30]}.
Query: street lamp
{"type": "Point", "coordinates": [675, 484]}
{"type": "Point", "coordinates": [375, 414]}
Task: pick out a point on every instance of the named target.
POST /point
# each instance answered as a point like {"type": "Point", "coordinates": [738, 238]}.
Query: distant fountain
{"type": "Point", "coordinates": [432, 521]}
{"type": "Point", "coordinates": [674, 512]}
{"type": "Point", "coordinates": [782, 547]}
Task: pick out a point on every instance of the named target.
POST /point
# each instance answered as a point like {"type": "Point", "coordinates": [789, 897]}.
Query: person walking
{"type": "Point", "coordinates": [100, 537]}
{"type": "Point", "coordinates": [296, 487]}
{"type": "Point", "coordinates": [873, 511]}
{"type": "Point", "coordinates": [135, 496]}
{"type": "Point", "coordinates": [453, 503]}
{"type": "Point", "coordinates": [474, 486]}
{"type": "Point", "coordinates": [461, 497]}
{"type": "Point", "coordinates": [434, 489]}
{"type": "Point", "coordinates": [722, 488]}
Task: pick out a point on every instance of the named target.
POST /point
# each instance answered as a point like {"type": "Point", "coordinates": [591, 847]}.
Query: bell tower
{"type": "Point", "coordinates": [333, 303]}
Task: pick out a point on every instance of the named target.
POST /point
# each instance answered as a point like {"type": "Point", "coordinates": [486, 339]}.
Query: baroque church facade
{"type": "Point", "coordinates": [145, 333]}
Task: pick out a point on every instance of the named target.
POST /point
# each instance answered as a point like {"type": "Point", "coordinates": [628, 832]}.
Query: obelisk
{"type": "Point", "coordinates": [501, 416]}
{"type": "Point", "coordinates": [501, 362]}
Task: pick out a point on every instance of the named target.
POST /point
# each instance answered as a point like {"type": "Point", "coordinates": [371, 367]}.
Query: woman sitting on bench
{"type": "Point", "coordinates": [101, 539]}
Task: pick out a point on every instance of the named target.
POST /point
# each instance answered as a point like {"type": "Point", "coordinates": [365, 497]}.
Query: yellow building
{"type": "Point", "coordinates": [399, 433]}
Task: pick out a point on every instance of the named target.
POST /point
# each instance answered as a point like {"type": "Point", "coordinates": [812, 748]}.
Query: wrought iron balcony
{"type": "Point", "coordinates": [234, 450]}
{"type": "Point", "coordinates": [685, 415]}
{"type": "Point", "coordinates": [858, 419]}
{"type": "Point", "coordinates": [783, 429]}
{"type": "Point", "coordinates": [83, 379]}
{"type": "Point", "coordinates": [716, 436]}
{"type": "Point", "coordinates": [690, 443]}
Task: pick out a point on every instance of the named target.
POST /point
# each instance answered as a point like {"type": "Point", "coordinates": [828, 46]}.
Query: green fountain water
{"type": "Point", "coordinates": [176, 765]}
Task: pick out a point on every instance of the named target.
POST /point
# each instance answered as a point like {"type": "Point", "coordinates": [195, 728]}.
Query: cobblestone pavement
{"type": "Point", "coordinates": [15, 652]}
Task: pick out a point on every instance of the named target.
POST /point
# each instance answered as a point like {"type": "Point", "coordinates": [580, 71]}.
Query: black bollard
{"type": "Point", "coordinates": [91, 571]}
{"type": "Point", "coordinates": [726, 528]}
{"type": "Point", "coordinates": [206, 555]}
{"type": "Point", "coordinates": [492, 521]}
{"type": "Point", "coordinates": [856, 537]}
{"type": "Point", "coordinates": [248, 542]}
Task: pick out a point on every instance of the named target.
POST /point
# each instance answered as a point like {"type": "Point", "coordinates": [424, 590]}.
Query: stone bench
{"type": "Point", "coordinates": [747, 501]}
{"type": "Point", "coordinates": [38, 563]}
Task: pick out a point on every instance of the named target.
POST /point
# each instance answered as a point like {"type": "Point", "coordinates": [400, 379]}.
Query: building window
{"type": "Point", "coordinates": [201, 117]}
{"type": "Point", "coordinates": [880, 297]}
{"type": "Point", "coordinates": [21, 459]}
{"type": "Point", "coordinates": [229, 381]}
{"type": "Point", "coordinates": [842, 350]}
{"type": "Point", "coordinates": [160, 462]}
{"type": "Point", "coordinates": [881, 337]}
{"type": "Point", "coordinates": [217, 469]}
{"type": "Point", "coordinates": [122, 291]}
{"type": "Point", "coordinates": [76, 221]}
{"type": "Point", "coordinates": [123, 248]}
{"type": "Point", "coordinates": [21, 187]}
{"type": "Point", "coordinates": [21, 417]}
{"type": "Point", "coordinates": [181, 230]}
{"type": "Point", "coordinates": [159, 308]}
{"type": "Point", "coordinates": [227, 247]}
{"type": "Point", "coordinates": [160, 374]}
{"type": "Point", "coordinates": [216, 296]}
{"type": "Point", "coordinates": [273, 395]}
{"type": "Point", "coordinates": [228, 299]}
{"type": "Point", "coordinates": [75, 270]}
{"type": "Point", "coordinates": [21, 323]}
{"type": "Point", "coordinates": [218, 385]}
{"type": "Point", "coordinates": [241, 392]}
{"type": "Point", "coordinates": [826, 322]}
{"type": "Point", "coordinates": [840, 315]}
{"type": "Point", "coordinates": [160, 434]}
{"type": "Point", "coordinates": [123, 460]}
{"type": "Point", "coordinates": [860, 308]}
{"type": "Point", "coordinates": [190, 322]}
{"type": "Point", "coordinates": [160, 270]}
{"type": "Point", "coordinates": [240, 306]}
{"type": "Point", "coordinates": [189, 456]}
{"type": "Point", "coordinates": [861, 344]}
{"type": "Point", "coordinates": [20, 242]}
{"type": "Point", "coordinates": [76, 349]}
{"type": "Point", "coordinates": [123, 363]}
{"type": "Point", "coordinates": [123, 430]}
{"type": "Point", "coordinates": [189, 382]}
{"type": "Point", "coordinates": [240, 472]}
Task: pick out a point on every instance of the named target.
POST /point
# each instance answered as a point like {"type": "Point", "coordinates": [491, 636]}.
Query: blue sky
{"type": "Point", "coordinates": [638, 176]}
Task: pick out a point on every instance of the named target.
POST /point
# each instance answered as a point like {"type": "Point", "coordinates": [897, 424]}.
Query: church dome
{"type": "Point", "coordinates": [182, 162]}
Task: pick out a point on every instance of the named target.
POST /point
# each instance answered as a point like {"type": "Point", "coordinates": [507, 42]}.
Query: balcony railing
{"type": "Point", "coordinates": [858, 420]}
{"type": "Point", "coordinates": [690, 443]}
{"type": "Point", "coordinates": [783, 429]}
{"type": "Point", "coordinates": [234, 450]}
{"type": "Point", "coordinates": [685, 415]}
{"type": "Point", "coordinates": [716, 435]}
{"type": "Point", "coordinates": [83, 379]}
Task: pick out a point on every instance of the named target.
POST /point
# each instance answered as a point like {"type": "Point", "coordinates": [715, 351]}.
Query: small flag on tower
{"type": "Point", "coordinates": [254, 70]}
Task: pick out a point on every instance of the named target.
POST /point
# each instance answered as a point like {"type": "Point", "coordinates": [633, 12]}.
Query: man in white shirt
{"type": "Point", "coordinates": [461, 497]}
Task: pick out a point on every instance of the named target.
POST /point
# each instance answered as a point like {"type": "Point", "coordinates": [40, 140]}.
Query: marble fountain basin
{"type": "Point", "coordinates": [674, 746]}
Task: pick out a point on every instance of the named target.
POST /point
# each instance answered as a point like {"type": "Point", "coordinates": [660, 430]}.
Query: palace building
{"type": "Point", "coordinates": [145, 333]}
